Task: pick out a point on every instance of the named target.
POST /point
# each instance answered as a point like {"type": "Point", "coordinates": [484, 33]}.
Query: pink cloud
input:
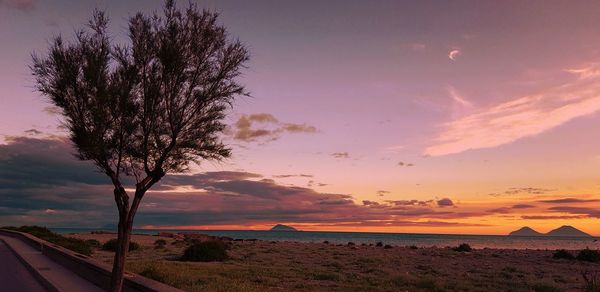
{"type": "Point", "coordinates": [521, 117]}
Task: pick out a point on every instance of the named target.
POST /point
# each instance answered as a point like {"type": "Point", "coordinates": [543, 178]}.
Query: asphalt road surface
{"type": "Point", "coordinates": [14, 277]}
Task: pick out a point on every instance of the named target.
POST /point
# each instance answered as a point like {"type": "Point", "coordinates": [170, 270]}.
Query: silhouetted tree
{"type": "Point", "coordinates": [147, 108]}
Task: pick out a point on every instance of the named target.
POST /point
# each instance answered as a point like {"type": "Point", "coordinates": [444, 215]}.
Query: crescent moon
{"type": "Point", "coordinates": [453, 54]}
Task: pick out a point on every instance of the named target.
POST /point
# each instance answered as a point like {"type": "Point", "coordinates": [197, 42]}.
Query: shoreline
{"type": "Point", "coordinates": [420, 240]}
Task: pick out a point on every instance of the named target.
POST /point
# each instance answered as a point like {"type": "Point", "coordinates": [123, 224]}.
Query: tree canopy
{"type": "Point", "coordinates": [150, 107]}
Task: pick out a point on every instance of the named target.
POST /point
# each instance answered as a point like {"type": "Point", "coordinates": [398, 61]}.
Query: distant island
{"type": "Point", "coordinates": [525, 231]}
{"type": "Point", "coordinates": [563, 231]}
{"type": "Point", "coordinates": [281, 227]}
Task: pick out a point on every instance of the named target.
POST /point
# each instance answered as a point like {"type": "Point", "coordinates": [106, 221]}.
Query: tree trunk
{"type": "Point", "coordinates": [124, 236]}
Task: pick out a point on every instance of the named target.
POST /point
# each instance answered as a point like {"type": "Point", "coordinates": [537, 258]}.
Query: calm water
{"type": "Point", "coordinates": [400, 239]}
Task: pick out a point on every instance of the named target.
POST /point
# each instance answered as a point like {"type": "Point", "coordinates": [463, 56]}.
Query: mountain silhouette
{"type": "Point", "coordinates": [281, 227]}
{"type": "Point", "coordinates": [567, 230]}
{"type": "Point", "coordinates": [563, 231]}
{"type": "Point", "coordinates": [525, 231]}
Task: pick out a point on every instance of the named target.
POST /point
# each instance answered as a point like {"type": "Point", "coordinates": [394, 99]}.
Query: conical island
{"type": "Point", "coordinates": [281, 227]}
{"type": "Point", "coordinates": [525, 231]}
{"type": "Point", "coordinates": [563, 231]}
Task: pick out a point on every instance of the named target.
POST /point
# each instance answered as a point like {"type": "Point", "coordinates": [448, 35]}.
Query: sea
{"type": "Point", "coordinates": [396, 239]}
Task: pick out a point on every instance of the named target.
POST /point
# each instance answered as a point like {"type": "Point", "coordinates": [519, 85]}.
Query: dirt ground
{"type": "Point", "coordinates": [284, 266]}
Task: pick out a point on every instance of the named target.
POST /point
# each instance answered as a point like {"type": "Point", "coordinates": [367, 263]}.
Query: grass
{"type": "Point", "coordinates": [74, 244]}
{"type": "Point", "coordinates": [318, 267]}
{"type": "Point", "coordinates": [111, 245]}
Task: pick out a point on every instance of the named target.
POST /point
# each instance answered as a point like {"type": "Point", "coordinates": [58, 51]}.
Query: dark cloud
{"type": "Point", "coordinates": [523, 206]}
{"type": "Point", "coordinates": [401, 163]}
{"type": "Point", "coordinates": [203, 179]}
{"type": "Point", "coordinates": [568, 201]}
{"type": "Point", "coordinates": [265, 127]}
{"type": "Point", "coordinates": [27, 163]}
{"type": "Point", "coordinates": [505, 210]}
{"type": "Point", "coordinates": [292, 175]}
{"type": "Point", "coordinates": [410, 202]}
{"type": "Point", "coordinates": [42, 183]}
{"type": "Point", "coordinates": [22, 5]}
{"type": "Point", "coordinates": [522, 190]}
{"type": "Point", "coordinates": [343, 155]}
{"type": "Point", "coordinates": [501, 210]}
{"type": "Point", "coordinates": [550, 217]}
{"type": "Point", "coordinates": [52, 110]}
{"type": "Point", "coordinates": [370, 203]}
{"type": "Point", "coordinates": [33, 132]}
{"type": "Point", "coordinates": [298, 128]}
{"type": "Point", "coordinates": [382, 193]}
{"type": "Point", "coordinates": [445, 202]}
{"type": "Point", "coordinates": [589, 212]}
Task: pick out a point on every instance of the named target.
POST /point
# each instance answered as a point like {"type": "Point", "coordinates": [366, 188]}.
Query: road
{"type": "Point", "coordinates": [14, 276]}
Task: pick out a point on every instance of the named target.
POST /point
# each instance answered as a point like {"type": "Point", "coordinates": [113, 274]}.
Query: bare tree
{"type": "Point", "coordinates": [148, 108]}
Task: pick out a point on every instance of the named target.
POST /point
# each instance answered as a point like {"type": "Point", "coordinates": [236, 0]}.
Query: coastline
{"type": "Point", "coordinates": [397, 239]}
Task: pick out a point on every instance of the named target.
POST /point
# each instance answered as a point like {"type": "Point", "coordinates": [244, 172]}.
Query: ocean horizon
{"type": "Point", "coordinates": [397, 239]}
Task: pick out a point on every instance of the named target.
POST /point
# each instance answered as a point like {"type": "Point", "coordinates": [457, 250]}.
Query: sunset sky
{"type": "Point", "coordinates": [475, 117]}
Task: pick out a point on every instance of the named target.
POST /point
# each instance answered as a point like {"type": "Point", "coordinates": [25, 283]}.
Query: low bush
{"type": "Point", "coordinates": [379, 244]}
{"type": "Point", "coordinates": [93, 242]}
{"type": "Point", "coordinates": [562, 254]}
{"type": "Point", "coordinates": [74, 244]}
{"type": "Point", "coordinates": [111, 245]}
{"type": "Point", "coordinates": [160, 243]}
{"type": "Point", "coordinates": [588, 255]}
{"type": "Point", "coordinates": [463, 248]}
{"type": "Point", "coordinates": [207, 251]}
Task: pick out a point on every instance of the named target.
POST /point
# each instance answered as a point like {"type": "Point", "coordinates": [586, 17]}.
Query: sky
{"type": "Point", "coordinates": [472, 117]}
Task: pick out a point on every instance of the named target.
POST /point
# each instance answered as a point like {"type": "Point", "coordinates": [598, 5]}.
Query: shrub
{"type": "Point", "coordinates": [463, 248]}
{"type": "Point", "coordinates": [589, 255]}
{"type": "Point", "coordinates": [160, 243]}
{"type": "Point", "coordinates": [387, 246]}
{"type": "Point", "coordinates": [93, 243]}
{"type": "Point", "coordinates": [379, 244]}
{"type": "Point", "coordinates": [207, 251]}
{"type": "Point", "coordinates": [111, 245]}
{"type": "Point", "coordinates": [351, 243]}
{"type": "Point", "coordinates": [74, 244]}
{"type": "Point", "coordinates": [413, 247]}
{"type": "Point", "coordinates": [563, 254]}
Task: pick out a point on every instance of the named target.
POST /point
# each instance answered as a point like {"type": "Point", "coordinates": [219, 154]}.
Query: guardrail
{"type": "Point", "coordinates": [88, 268]}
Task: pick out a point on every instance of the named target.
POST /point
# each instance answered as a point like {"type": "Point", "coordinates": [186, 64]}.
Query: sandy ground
{"type": "Point", "coordinates": [284, 266]}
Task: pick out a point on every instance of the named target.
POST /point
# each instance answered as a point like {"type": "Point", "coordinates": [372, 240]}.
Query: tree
{"type": "Point", "coordinates": [146, 109]}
